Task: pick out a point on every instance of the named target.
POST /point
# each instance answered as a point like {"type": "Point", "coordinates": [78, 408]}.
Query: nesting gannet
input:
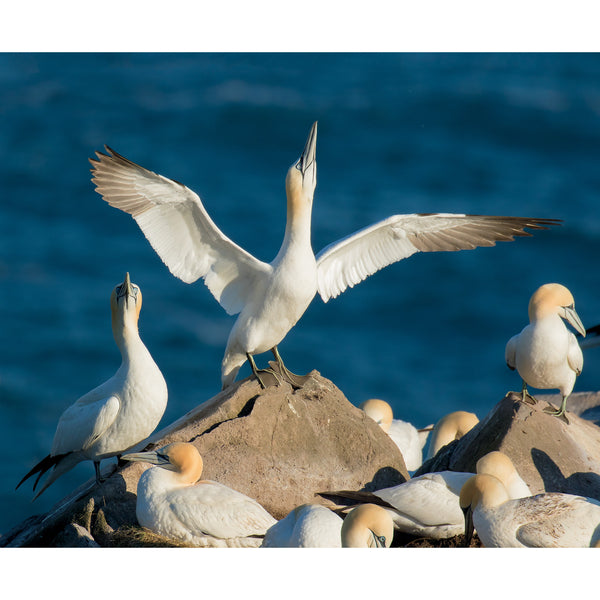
{"type": "Point", "coordinates": [551, 520]}
{"type": "Point", "coordinates": [449, 428]}
{"type": "Point", "coordinates": [119, 413]}
{"type": "Point", "coordinates": [428, 505]}
{"type": "Point", "coordinates": [307, 526]}
{"type": "Point", "coordinates": [367, 526]}
{"type": "Point", "coordinates": [546, 354]}
{"type": "Point", "coordinates": [172, 502]}
{"type": "Point", "coordinates": [407, 437]}
{"type": "Point", "coordinates": [501, 467]}
{"type": "Point", "coordinates": [271, 297]}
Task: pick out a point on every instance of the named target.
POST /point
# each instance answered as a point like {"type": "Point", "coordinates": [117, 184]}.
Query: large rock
{"type": "Point", "coordinates": [278, 445]}
{"type": "Point", "coordinates": [549, 454]}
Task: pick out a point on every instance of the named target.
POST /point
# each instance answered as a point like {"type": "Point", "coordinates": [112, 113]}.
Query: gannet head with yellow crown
{"type": "Point", "coordinates": [301, 181]}
{"type": "Point", "coordinates": [367, 526]}
{"type": "Point", "coordinates": [380, 411]}
{"type": "Point", "coordinates": [182, 458]}
{"type": "Point", "coordinates": [125, 305]}
{"type": "Point", "coordinates": [554, 298]}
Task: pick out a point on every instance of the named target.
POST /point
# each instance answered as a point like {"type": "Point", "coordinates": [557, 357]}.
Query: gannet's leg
{"type": "Point", "coordinates": [256, 371]}
{"type": "Point", "coordinates": [99, 479]}
{"type": "Point", "coordinates": [291, 377]}
{"type": "Point", "coordinates": [526, 396]}
{"type": "Point", "coordinates": [561, 411]}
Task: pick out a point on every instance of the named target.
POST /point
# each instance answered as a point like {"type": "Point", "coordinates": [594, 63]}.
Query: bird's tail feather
{"type": "Point", "coordinates": [61, 463]}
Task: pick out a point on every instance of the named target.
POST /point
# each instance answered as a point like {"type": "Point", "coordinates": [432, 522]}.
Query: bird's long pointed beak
{"type": "Point", "coordinates": [125, 289]}
{"type": "Point", "coordinates": [153, 457]}
{"type": "Point", "coordinates": [573, 318]}
{"type": "Point", "coordinates": [469, 527]}
{"type": "Point", "coordinates": [309, 154]}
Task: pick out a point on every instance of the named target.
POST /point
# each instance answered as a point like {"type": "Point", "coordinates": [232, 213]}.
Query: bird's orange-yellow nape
{"type": "Point", "coordinates": [380, 411]}
{"type": "Point", "coordinates": [367, 526]}
{"type": "Point", "coordinates": [483, 489]}
{"type": "Point", "coordinates": [185, 460]}
{"type": "Point", "coordinates": [549, 299]}
{"type": "Point", "coordinates": [497, 464]}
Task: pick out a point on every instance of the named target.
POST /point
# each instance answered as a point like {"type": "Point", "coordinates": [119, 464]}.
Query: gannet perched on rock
{"type": "Point", "coordinates": [367, 526]}
{"type": "Point", "coordinates": [119, 413]}
{"type": "Point", "coordinates": [428, 505]}
{"type": "Point", "coordinates": [172, 502]}
{"type": "Point", "coordinates": [551, 520]}
{"type": "Point", "coordinates": [546, 354]}
{"type": "Point", "coordinates": [306, 526]}
{"type": "Point", "coordinates": [449, 428]}
{"type": "Point", "coordinates": [407, 437]}
{"type": "Point", "coordinates": [271, 297]}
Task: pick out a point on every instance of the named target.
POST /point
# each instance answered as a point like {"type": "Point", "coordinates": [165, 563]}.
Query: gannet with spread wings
{"type": "Point", "coordinates": [271, 297]}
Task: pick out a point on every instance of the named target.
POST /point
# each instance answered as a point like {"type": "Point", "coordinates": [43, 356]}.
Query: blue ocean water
{"type": "Point", "coordinates": [505, 134]}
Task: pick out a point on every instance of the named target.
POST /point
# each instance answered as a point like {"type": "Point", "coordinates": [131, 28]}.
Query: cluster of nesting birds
{"type": "Point", "coordinates": [270, 298]}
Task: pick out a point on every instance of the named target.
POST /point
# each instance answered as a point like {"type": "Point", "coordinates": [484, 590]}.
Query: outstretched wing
{"type": "Point", "coordinates": [351, 260]}
{"type": "Point", "coordinates": [84, 422]}
{"type": "Point", "coordinates": [179, 229]}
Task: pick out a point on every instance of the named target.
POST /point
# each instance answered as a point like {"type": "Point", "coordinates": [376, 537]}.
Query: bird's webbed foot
{"type": "Point", "coordinates": [256, 371]}
{"type": "Point", "coordinates": [526, 397]}
{"type": "Point", "coordinates": [294, 380]}
{"type": "Point", "coordinates": [560, 413]}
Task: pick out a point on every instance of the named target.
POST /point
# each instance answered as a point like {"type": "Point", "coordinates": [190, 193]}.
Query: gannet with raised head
{"type": "Point", "coordinates": [367, 526]}
{"type": "Point", "coordinates": [406, 436]}
{"type": "Point", "coordinates": [428, 505]}
{"type": "Point", "coordinates": [306, 526]}
{"type": "Point", "coordinates": [270, 298]}
{"type": "Point", "coordinates": [118, 414]}
{"type": "Point", "coordinates": [449, 428]}
{"type": "Point", "coordinates": [173, 502]}
{"type": "Point", "coordinates": [551, 520]}
{"type": "Point", "coordinates": [546, 354]}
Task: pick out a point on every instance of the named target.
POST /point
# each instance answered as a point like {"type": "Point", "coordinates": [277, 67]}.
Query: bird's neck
{"type": "Point", "coordinates": [128, 339]}
{"type": "Point", "coordinates": [298, 225]}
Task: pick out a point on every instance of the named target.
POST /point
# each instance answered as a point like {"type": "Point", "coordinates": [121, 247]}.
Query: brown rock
{"type": "Point", "coordinates": [279, 446]}
{"type": "Point", "coordinates": [550, 455]}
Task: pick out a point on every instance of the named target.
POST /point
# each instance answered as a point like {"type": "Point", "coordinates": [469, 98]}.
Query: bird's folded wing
{"type": "Point", "coordinates": [210, 508]}
{"type": "Point", "coordinates": [351, 260]}
{"type": "Point", "coordinates": [510, 352]}
{"type": "Point", "coordinates": [575, 355]}
{"type": "Point", "coordinates": [175, 222]}
{"type": "Point", "coordinates": [83, 423]}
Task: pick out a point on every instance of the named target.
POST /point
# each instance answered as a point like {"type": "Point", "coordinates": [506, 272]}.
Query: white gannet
{"type": "Point", "coordinates": [551, 520]}
{"type": "Point", "coordinates": [407, 437]}
{"type": "Point", "coordinates": [428, 505]}
{"type": "Point", "coordinates": [172, 502]}
{"type": "Point", "coordinates": [367, 526]}
{"type": "Point", "coordinates": [117, 414]}
{"type": "Point", "coordinates": [271, 297]}
{"type": "Point", "coordinates": [501, 467]}
{"type": "Point", "coordinates": [449, 428]}
{"type": "Point", "coordinates": [306, 526]}
{"type": "Point", "coordinates": [546, 354]}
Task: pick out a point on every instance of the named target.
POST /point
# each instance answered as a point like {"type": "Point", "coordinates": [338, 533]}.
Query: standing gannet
{"type": "Point", "coordinates": [546, 354]}
{"type": "Point", "coordinates": [367, 526]}
{"type": "Point", "coordinates": [270, 298]}
{"type": "Point", "coordinates": [428, 505]}
{"type": "Point", "coordinates": [551, 520]}
{"type": "Point", "coordinates": [449, 428]}
{"type": "Point", "coordinates": [119, 413]}
{"type": "Point", "coordinates": [407, 437]}
{"type": "Point", "coordinates": [306, 526]}
{"type": "Point", "coordinates": [172, 502]}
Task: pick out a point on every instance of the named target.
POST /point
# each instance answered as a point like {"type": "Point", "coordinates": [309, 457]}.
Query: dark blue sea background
{"type": "Point", "coordinates": [498, 134]}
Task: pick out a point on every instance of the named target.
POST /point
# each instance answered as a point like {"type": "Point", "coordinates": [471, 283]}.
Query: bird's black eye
{"type": "Point", "coordinates": [162, 456]}
{"type": "Point", "coordinates": [381, 540]}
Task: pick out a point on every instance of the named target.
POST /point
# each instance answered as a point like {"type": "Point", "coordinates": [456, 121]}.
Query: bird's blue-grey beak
{"type": "Point", "coordinates": [572, 317]}
{"type": "Point", "coordinates": [154, 457]}
{"type": "Point", "coordinates": [309, 154]}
